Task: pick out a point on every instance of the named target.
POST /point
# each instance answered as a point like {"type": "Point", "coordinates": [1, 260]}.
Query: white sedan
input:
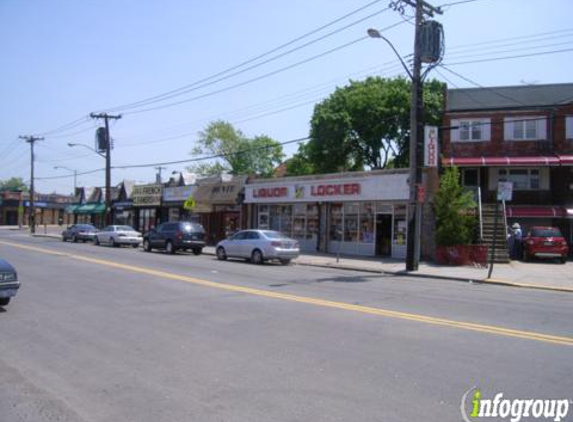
{"type": "Point", "coordinates": [118, 235]}
{"type": "Point", "coordinates": [258, 246]}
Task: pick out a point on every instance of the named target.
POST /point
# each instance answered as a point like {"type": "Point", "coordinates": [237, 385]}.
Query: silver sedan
{"type": "Point", "coordinates": [118, 235]}
{"type": "Point", "coordinates": [259, 246]}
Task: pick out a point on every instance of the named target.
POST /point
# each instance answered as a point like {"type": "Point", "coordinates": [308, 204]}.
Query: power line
{"type": "Point", "coordinates": [511, 57]}
{"type": "Point", "coordinates": [264, 76]}
{"type": "Point", "coordinates": [160, 97]}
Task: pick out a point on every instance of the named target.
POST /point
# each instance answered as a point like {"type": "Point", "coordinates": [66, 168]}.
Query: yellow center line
{"type": "Point", "coordinates": [468, 326]}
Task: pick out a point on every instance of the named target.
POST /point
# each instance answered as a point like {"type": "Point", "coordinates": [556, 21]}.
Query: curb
{"type": "Point", "coordinates": [403, 273]}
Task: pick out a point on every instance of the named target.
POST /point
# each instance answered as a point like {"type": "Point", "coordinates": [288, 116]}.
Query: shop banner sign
{"type": "Point", "coordinates": [147, 195]}
{"type": "Point", "coordinates": [430, 146]}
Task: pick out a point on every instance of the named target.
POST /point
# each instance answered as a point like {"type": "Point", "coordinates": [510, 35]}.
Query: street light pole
{"type": "Point", "coordinates": [75, 173]}
{"type": "Point", "coordinates": [32, 140]}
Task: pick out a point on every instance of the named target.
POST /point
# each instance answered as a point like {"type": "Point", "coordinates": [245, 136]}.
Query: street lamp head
{"type": "Point", "coordinates": [374, 33]}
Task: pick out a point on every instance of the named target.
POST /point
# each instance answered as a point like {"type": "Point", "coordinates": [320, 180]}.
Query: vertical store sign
{"type": "Point", "coordinates": [430, 146]}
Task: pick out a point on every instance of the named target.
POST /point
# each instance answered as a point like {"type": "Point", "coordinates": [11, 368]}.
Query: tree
{"type": "Point", "coordinates": [366, 123]}
{"type": "Point", "coordinates": [238, 154]}
{"type": "Point", "coordinates": [455, 223]}
{"type": "Point", "coordinates": [13, 184]}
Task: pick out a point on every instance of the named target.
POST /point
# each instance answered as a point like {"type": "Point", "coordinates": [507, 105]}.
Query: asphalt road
{"type": "Point", "coordinates": [106, 334]}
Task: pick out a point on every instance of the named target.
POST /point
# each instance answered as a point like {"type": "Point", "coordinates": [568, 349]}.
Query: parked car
{"type": "Point", "coordinates": [9, 283]}
{"type": "Point", "coordinates": [545, 242]}
{"type": "Point", "coordinates": [259, 246]}
{"type": "Point", "coordinates": [182, 235]}
{"type": "Point", "coordinates": [83, 232]}
{"type": "Point", "coordinates": [118, 235]}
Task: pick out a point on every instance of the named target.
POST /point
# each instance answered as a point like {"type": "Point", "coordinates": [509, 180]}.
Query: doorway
{"type": "Point", "coordinates": [383, 234]}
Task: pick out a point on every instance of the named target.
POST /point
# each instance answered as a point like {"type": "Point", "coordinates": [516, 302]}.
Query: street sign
{"type": "Point", "coordinates": [189, 203]}
{"type": "Point", "coordinates": [430, 146]}
{"type": "Point", "coordinates": [504, 191]}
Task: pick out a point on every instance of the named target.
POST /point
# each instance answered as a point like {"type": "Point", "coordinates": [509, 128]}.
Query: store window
{"type": "Point", "coordinates": [335, 232]}
{"type": "Point", "coordinates": [299, 222]}
{"type": "Point", "coordinates": [522, 179]}
{"type": "Point", "coordinates": [311, 221]}
{"type": "Point", "coordinates": [367, 211]}
{"type": "Point", "coordinates": [351, 222]}
{"type": "Point", "coordinates": [263, 222]}
{"type": "Point", "coordinates": [400, 225]}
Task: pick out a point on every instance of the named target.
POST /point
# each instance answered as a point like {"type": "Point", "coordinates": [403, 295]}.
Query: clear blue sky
{"type": "Point", "coordinates": [62, 59]}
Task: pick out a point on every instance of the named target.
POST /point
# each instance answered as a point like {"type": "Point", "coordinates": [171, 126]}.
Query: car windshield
{"type": "Point", "coordinates": [269, 234]}
{"type": "Point", "coordinates": [546, 232]}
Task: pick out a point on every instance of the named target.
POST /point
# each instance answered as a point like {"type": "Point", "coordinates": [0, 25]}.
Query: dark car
{"type": "Point", "coordinates": [83, 232]}
{"type": "Point", "coordinates": [180, 235]}
{"type": "Point", "coordinates": [9, 283]}
{"type": "Point", "coordinates": [545, 242]}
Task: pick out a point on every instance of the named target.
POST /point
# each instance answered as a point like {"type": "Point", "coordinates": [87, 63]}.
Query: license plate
{"type": "Point", "coordinates": [548, 243]}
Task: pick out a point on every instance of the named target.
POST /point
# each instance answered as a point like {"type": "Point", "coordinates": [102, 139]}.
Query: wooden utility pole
{"type": "Point", "coordinates": [416, 134]}
{"type": "Point", "coordinates": [106, 118]}
{"type": "Point", "coordinates": [31, 140]}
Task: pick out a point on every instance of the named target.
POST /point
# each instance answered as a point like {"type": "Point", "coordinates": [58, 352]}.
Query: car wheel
{"type": "Point", "coordinates": [96, 241]}
{"type": "Point", "coordinates": [221, 254]}
{"type": "Point", "coordinates": [63, 238]}
{"type": "Point", "coordinates": [113, 243]}
{"type": "Point", "coordinates": [563, 259]}
{"type": "Point", "coordinates": [257, 257]}
{"type": "Point", "coordinates": [146, 246]}
{"type": "Point", "coordinates": [4, 301]}
{"type": "Point", "coordinates": [197, 251]}
{"type": "Point", "coordinates": [285, 261]}
{"type": "Point", "coordinates": [169, 247]}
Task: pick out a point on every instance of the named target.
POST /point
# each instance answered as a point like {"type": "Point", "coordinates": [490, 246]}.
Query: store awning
{"type": "Point", "coordinates": [70, 209]}
{"type": "Point", "coordinates": [566, 160]}
{"type": "Point", "coordinates": [501, 161]}
{"type": "Point", "coordinates": [221, 193]}
{"type": "Point", "coordinates": [536, 212]}
{"type": "Point", "coordinates": [90, 209]}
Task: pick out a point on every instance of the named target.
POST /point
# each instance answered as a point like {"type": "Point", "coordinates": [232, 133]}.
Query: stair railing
{"type": "Point", "coordinates": [480, 215]}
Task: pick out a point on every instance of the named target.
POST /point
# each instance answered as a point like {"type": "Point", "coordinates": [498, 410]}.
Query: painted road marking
{"type": "Point", "coordinates": [468, 326]}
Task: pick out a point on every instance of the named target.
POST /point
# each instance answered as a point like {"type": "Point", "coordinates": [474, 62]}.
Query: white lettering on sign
{"type": "Point", "coordinates": [430, 146]}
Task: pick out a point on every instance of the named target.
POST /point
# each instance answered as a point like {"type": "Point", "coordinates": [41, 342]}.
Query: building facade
{"type": "Point", "coordinates": [518, 134]}
{"type": "Point", "coordinates": [359, 213]}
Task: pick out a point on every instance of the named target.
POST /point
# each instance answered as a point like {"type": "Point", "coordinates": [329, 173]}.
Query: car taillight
{"type": "Point", "coordinates": [276, 244]}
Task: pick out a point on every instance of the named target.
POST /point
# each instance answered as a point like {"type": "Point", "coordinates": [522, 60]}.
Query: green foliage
{"type": "Point", "coordinates": [453, 204]}
{"type": "Point", "coordinates": [241, 155]}
{"type": "Point", "coordinates": [13, 184]}
{"type": "Point", "coordinates": [366, 123]}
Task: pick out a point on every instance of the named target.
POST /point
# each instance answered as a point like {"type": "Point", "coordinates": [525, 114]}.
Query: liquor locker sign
{"type": "Point", "coordinates": [379, 187]}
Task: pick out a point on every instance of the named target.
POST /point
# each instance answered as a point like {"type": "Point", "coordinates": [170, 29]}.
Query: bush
{"type": "Point", "coordinates": [455, 220]}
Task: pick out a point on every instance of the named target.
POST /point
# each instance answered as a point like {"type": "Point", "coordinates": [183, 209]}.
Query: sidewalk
{"type": "Point", "coordinates": [546, 275]}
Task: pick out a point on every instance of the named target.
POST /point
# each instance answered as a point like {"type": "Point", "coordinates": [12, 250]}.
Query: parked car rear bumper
{"type": "Point", "coordinates": [277, 253]}
{"type": "Point", "coordinates": [191, 244]}
{"type": "Point", "coordinates": [9, 289]}
{"type": "Point", "coordinates": [128, 240]}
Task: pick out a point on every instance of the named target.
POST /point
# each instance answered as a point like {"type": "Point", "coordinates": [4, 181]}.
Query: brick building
{"type": "Point", "coordinates": [519, 134]}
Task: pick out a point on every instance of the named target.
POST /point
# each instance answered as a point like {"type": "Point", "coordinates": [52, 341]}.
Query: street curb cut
{"type": "Point", "coordinates": [403, 273]}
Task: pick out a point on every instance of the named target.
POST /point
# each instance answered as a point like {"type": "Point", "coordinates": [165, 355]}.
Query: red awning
{"type": "Point", "coordinates": [566, 160]}
{"type": "Point", "coordinates": [532, 212]}
{"type": "Point", "coordinates": [501, 161]}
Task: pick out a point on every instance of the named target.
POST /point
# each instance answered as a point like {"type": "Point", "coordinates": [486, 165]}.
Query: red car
{"type": "Point", "coordinates": [545, 242]}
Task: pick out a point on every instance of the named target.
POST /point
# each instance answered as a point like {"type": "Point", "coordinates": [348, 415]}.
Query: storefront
{"type": "Point", "coordinates": [353, 213]}
{"type": "Point", "coordinates": [218, 201]}
{"type": "Point", "coordinates": [147, 206]}
{"type": "Point", "coordinates": [174, 202]}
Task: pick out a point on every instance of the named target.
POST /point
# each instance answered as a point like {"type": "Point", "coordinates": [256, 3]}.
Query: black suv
{"type": "Point", "coordinates": [173, 236]}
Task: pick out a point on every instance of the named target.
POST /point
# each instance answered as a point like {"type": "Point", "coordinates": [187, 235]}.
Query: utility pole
{"type": "Point", "coordinates": [158, 175]}
{"type": "Point", "coordinates": [106, 118]}
{"type": "Point", "coordinates": [31, 140]}
{"type": "Point", "coordinates": [416, 133]}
